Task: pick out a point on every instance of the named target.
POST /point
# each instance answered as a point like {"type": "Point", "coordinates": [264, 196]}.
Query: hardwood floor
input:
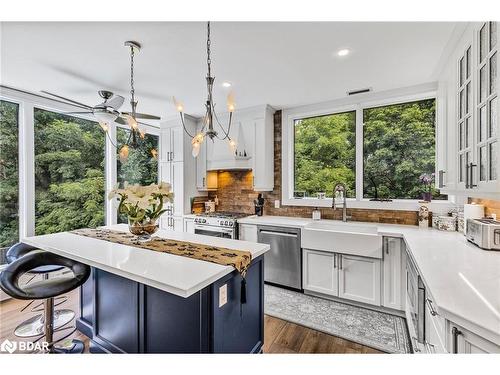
{"type": "Point", "coordinates": [280, 336]}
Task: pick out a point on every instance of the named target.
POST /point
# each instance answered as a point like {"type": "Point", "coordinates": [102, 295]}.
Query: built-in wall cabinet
{"type": "Point", "coordinates": [467, 115]}
{"type": "Point", "coordinates": [177, 166]}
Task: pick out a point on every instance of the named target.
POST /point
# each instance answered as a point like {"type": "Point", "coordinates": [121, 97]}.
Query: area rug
{"type": "Point", "coordinates": [378, 330]}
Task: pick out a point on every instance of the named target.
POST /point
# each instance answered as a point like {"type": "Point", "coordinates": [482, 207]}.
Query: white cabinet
{"type": "Point", "coordinates": [393, 275]}
{"type": "Point", "coordinates": [359, 279]}
{"type": "Point", "coordinates": [346, 276]}
{"type": "Point", "coordinates": [263, 159]}
{"type": "Point", "coordinates": [177, 167]}
{"type": "Point", "coordinates": [320, 272]}
{"type": "Point", "coordinates": [247, 232]}
{"type": "Point", "coordinates": [468, 119]}
{"type": "Point", "coordinates": [462, 341]}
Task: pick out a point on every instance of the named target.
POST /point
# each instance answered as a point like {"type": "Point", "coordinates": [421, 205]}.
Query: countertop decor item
{"type": "Point", "coordinates": [259, 205]}
{"type": "Point", "coordinates": [447, 223]}
{"type": "Point", "coordinates": [423, 215]}
{"type": "Point", "coordinates": [427, 179]}
{"type": "Point", "coordinates": [143, 205]}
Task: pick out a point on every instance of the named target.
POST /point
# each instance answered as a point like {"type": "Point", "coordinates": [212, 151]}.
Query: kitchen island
{"type": "Point", "coordinates": [143, 301]}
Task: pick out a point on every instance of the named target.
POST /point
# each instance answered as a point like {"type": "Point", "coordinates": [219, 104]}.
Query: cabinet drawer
{"type": "Point", "coordinates": [435, 342]}
{"type": "Point", "coordinates": [462, 341]}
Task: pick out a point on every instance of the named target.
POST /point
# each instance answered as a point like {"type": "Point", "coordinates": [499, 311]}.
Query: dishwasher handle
{"type": "Point", "coordinates": [284, 234]}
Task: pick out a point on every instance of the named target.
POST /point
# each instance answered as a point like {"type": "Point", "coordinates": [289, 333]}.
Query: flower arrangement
{"type": "Point", "coordinates": [143, 205]}
{"type": "Point", "coordinates": [427, 179]}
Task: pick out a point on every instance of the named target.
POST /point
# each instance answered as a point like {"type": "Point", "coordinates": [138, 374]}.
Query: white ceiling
{"type": "Point", "coordinates": [276, 63]}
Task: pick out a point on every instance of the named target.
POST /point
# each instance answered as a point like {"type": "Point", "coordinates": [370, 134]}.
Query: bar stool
{"type": "Point", "coordinates": [46, 289]}
{"type": "Point", "coordinates": [34, 326]}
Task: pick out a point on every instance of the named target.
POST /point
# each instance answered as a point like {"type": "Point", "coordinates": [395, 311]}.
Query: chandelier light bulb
{"type": "Point", "coordinates": [142, 134]}
{"type": "Point", "coordinates": [178, 105]}
{"type": "Point", "coordinates": [232, 144]}
{"type": "Point", "coordinates": [154, 153]}
{"type": "Point", "coordinates": [124, 153]}
{"type": "Point", "coordinates": [196, 149]}
{"type": "Point", "coordinates": [230, 102]}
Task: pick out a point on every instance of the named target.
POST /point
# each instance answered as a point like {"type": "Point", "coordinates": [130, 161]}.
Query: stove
{"type": "Point", "coordinates": [218, 224]}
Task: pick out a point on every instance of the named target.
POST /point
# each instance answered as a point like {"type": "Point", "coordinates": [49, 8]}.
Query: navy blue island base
{"type": "Point", "coordinates": [120, 315]}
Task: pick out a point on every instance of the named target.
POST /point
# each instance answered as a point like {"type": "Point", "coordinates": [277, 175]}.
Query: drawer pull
{"type": "Point", "coordinates": [415, 345]}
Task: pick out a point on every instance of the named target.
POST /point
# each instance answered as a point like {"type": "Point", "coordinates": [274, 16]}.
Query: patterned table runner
{"type": "Point", "coordinates": [240, 260]}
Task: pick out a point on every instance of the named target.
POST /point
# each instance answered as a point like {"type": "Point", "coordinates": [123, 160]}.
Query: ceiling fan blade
{"type": "Point", "coordinates": [143, 115]}
{"type": "Point", "coordinates": [68, 100]}
{"type": "Point", "coordinates": [121, 120]}
{"type": "Point", "coordinates": [115, 102]}
{"type": "Point", "coordinates": [79, 113]}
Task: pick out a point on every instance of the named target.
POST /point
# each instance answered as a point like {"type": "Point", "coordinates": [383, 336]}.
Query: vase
{"type": "Point", "coordinates": [427, 196]}
{"type": "Point", "coordinates": [143, 229]}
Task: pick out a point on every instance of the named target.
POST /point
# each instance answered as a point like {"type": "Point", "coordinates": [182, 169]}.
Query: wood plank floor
{"type": "Point", "coordinates": [280, 336]}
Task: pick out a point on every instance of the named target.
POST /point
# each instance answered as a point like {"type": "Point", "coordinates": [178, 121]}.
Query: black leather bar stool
{"type": "Point", "coordinates": [46, 289]}
{"type": "Point", "coordinates": [34, 326]}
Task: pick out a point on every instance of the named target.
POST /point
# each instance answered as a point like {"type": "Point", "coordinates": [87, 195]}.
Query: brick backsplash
{"type": "Point", "coordinates": [235, 193]}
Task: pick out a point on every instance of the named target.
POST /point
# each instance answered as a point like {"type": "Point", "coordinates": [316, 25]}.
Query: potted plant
{"type": "Point", "coordinates": [427, 179]}
{"type": "Point", "coordinates": [143, 205]}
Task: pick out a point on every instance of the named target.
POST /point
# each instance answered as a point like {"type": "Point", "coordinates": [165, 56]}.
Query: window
{"type": "Point", "coordinates": [398, 147]}
{"type": "Point", "coordinates": [140, 167]}
{"type": "Point", "coordinates": [9, 172]}
{"type": "Point", "coordinates": [325, 153]}
{"type": "Point", "coordinates": [69, 173]}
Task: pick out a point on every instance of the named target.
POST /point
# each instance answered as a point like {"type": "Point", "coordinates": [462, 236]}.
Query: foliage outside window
{"type": "Point", "coordinates": [325, 153]}
{"type": "Point", "coordinates": [9, 172]}
{"type": "Point", "coordinates": [69, 173]}
{"type": "Point", "coordinates": [399, 147]}
{"type": "Point", "coordinates": [140, 167]}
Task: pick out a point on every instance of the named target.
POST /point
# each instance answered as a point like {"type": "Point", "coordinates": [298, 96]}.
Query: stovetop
{"type": "Point", "coordinates": [223, 215]}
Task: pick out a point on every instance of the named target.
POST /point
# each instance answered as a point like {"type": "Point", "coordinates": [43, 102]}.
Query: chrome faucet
{"type": "Point", "coordinates": [340, 188]}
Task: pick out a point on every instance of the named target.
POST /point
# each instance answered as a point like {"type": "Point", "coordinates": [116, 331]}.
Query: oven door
{"type": "Point", "coordinates": [208, 230]}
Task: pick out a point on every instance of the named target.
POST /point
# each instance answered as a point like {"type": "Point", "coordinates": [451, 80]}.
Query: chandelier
{"type": "Point", "coordinates": [136, 133]}
{"type": "Point", "coordinates": [210, 120]}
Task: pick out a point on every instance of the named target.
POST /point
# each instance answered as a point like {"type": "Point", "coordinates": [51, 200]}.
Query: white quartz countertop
{"type": "Point", "coordinates": [175, 274]}
{"type": "Point", "coordinates": [463, 279]}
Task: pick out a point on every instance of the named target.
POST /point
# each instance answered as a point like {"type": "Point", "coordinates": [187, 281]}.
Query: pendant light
{"type": "Point", "coordinates": [210, 120]}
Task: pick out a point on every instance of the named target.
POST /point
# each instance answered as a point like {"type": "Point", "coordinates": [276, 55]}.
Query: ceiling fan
{"type": "Point", "coordinates": [108, 111]}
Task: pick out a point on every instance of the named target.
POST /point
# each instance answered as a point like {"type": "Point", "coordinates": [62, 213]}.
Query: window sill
{"type": "Point", "coordinates": [396, 204]}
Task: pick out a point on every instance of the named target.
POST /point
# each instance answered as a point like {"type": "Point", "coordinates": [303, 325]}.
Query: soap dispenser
{"type": "Point", "coordinates": [316, 214]}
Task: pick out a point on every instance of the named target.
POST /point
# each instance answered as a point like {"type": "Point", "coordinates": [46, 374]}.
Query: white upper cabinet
{"type": "Point", "coordinates": [467, 115]}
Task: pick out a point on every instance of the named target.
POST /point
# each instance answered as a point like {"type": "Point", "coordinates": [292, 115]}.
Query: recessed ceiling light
{"type": "Point", "coordinates": [226, 84]}
{"type": "Point", "coordinates": [343, 52]}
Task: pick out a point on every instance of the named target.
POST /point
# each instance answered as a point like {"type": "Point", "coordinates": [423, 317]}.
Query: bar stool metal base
{"type": "Point", "coordinates": [35, 326]}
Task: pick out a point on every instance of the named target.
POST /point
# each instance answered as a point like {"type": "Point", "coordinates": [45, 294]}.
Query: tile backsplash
{"type": "Point", "coordinates": [235, 193]}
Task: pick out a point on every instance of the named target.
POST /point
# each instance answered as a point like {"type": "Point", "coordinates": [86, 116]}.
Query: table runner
{"type": "Point", "coordinates": [238, 259]}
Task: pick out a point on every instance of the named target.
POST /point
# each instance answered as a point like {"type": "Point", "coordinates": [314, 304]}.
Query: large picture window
{"type": "Point", "coordinates": [398, 147]}
{"type": "Point", "coordinates": [69, 173]}
{"type": "Point", "coordinates": [9, 175]}
{"type": "Point", "coordinates": [325, 153]}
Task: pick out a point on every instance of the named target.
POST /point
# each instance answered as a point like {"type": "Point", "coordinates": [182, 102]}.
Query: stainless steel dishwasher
{"type": "Point", "coordinates": [283, 262]}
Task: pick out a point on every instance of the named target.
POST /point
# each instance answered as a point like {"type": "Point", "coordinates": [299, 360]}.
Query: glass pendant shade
{"type": "Point", "coordinates": [105, 116]}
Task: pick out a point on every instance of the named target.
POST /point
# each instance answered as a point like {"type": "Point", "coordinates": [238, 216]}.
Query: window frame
{"type": "Point", "coordinates": [27, 102]}
{"type": "Point", "coordinates": [357, 104]}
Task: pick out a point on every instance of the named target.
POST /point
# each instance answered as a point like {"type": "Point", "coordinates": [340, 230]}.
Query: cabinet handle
{"type": "Point", "coordinates": [334, 260]}
{"type": "Point", "coordinates": [441, 178]}
{"type": "Point", "coordinates": [431, 308]}
{"type": "Point", "coordinates": [340, 261]}
{"type": "Point", "coordinates": [467, 176]}
{"type": "Point", "coordinates": [455, 333]}
{"type": "Point", "coordinates": [415, 344]}
{"type": "Point", "coordinates": [171, 155]}
{"type": "Point", "coordinates": [168, 156]}
{"type": "Point", "coordinates": [387, 246]}
{"type": "Point", "coordinates": [203, 181]}
{"type": "Point", "coordinates": [471, 182]}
